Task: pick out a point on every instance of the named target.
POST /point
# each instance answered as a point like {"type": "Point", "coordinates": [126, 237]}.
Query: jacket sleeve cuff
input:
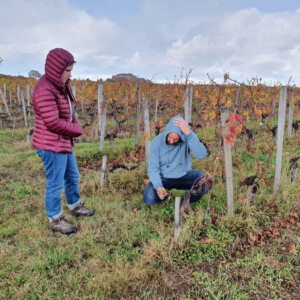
{"type": "Point", "coordinates": [157, 185]}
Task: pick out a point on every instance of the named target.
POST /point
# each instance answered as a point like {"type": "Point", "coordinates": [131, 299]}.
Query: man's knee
{"type": "Point", "coordinates": [148, 199]}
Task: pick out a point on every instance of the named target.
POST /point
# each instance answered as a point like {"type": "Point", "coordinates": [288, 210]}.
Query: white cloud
{"type": "Point", "coordinates": [246, 42]}
{"type": "Point", "coordinates": [163, 38]}
{"type": "Point", "coordinates": [57, 24]}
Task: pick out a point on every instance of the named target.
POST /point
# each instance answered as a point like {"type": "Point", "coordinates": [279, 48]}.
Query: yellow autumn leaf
{"type": "Point", "coordinates": [258, 112]}
{"type": "Point", "coordinates": [212, 115]}
{"type": "Point", "coordinates": [229, 102]}
{"type": "Point", "coordinates": [214, 101]}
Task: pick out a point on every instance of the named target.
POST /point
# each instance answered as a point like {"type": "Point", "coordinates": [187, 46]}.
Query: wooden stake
{"type": "Point", "coordinates": [103, 172]}
{"type": "Point", "coordinates": [138, 116]}
{"type": "Point", "coordinates": [177, 219]}
{"type": "Point", "coordinates": [290, 115]}
{"type": "Point", "coordinates": [228, 159]}
{"type": "Point", "coordinates": [280, 132]}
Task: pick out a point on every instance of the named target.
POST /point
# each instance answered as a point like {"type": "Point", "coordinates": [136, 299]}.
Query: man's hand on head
{"type": "Point", "coordinates": [184, 127]}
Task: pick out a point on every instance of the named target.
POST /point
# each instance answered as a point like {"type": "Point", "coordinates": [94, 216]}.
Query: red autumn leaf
{"type": "Point", "coordinates": [235, 119]}
{"type": "Point", "coordinates": [252, 237]}
{"type": "Point", "coordinates": [229, 140]}
{"type": "Point", "coordinates": [231, 118]}
{"type": "Point", "coordinates": [233, 130]}
{"type": "Point", "coordinates": [239, 119]}
{"type": "Point", "coordinates": [282, 265]}
{"type": "Point", "coordinates": [293, 283]}
{"type": "Point", "coordinates": [292, 248]}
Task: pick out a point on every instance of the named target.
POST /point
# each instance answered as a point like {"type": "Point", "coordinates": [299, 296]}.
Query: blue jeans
{"type": "Point", "coordinates": [183, 183]}
{"type": "Point", "coordinates": [61, 172]}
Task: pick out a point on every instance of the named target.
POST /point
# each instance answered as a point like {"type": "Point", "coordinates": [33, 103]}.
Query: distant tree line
{"type": "Point", "coordinates": [34, 74]}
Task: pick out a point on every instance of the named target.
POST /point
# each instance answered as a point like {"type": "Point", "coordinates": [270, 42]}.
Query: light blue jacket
{"type": "Point", "coordinates": [173, 161]}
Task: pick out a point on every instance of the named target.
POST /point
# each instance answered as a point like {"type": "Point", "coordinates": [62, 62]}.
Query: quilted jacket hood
{"type": "Point", "coordinates": [57, 61]}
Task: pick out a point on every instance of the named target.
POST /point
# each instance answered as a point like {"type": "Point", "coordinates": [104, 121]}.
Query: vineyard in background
{"type": "Point", "coordinates": [254, 101]}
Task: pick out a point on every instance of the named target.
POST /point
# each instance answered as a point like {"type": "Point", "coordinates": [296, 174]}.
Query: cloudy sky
{"type": "Point", "coordinates": [155, 39]}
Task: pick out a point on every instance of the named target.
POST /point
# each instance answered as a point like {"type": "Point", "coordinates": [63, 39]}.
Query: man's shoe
{"type": "Point", "coordinates": [62, 225]}
{"type": "Point", "coordinates": [80, 210]}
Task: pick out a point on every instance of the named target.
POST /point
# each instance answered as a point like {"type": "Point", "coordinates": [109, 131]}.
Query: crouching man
{"type": "Point", "coordinates": [170, 164]}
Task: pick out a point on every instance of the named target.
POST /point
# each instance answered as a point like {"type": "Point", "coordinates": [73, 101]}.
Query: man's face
{"type": "Point", "coordinates": [66, 74]}
{"type": "Point", "coordinates": [173, 138]}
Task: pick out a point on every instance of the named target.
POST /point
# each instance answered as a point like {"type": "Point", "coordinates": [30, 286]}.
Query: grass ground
{"type": "Point", "coordinates": [126, 251]}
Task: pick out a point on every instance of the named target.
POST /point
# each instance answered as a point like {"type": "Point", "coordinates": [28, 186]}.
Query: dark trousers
{"type": "Point", "coordinates": [183, 183]}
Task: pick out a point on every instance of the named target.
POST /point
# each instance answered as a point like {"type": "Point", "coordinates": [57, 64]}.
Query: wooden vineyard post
{"type": "Point", "coordinates": [100, 100]}
{"type": "Point", "coordinates": [156, 105]}
{"type": "Point", "coordinates": [19, 93]}
{"type": "Point", "coordinates": [29, 136]}
{"type": "Point", "coordinates": [191, 102]}
{"type": "Point", "coordinates": [103, 125]}
{"type": "Point", "coordinates": [28, 99]}
{"type": "Point", "coordinates": [127, 102]}
{"type": "Point", "coordinates": [82, 89]}
{"type": "Point", "coordinates": [147, 132]}
{"type": "Point", "coordinates": [138, 116]}
{"type": "Point", "coordinates": [24, 108]}
{"type": "Point", "coordinates": [74, 89]}
{"type": "Point", "coordinates": [103, 172]}
{"type": "Point", "coordinates": [5, 103]}
{"type": "Point", "coordinates": [273, 107]}
{"type": "Point", "coordinates": [10, 97]}
{"type": "Point", "coordinates": [177, 219]}
{"type": "Point", "coordinates": [146, 117]}
{"type": "Point", "coordinates": [101, 116]}
{"type": "Point", "coordinates": [293, 168]}
{"type": "Point", "coordinates": [228, 159]}
{"type": "Point", "coordinates": [187, 105]}
{"type": "Point", "coordinates": [4, 89]}
{"type": "Point", "coordinates": [4, 95]}
{"type": "Point", "coordinates": [280, 132]}
{"type": "Point", "coordinates": [237, 95]}
{"type": "Point", "coordinates": [290, 115]}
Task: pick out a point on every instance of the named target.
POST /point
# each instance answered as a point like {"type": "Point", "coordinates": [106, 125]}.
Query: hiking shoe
{"type": "Point", "coordinates": [62, 225]}
{"type": "Point", "coordinates": [80, 210]}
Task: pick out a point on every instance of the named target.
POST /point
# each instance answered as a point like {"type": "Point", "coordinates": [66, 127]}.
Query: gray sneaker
{"type": "Point", "coordinates": [62, 225]}
{"type": "Point", "coordinates": [80, 210]}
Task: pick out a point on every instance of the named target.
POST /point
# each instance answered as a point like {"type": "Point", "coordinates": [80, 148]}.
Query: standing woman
{"type": "Point", "coordinates": [56, 125]}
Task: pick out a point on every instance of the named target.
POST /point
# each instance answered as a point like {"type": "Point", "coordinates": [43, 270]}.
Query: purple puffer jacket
{"type": "Point", "coordinates": [54, 130]}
